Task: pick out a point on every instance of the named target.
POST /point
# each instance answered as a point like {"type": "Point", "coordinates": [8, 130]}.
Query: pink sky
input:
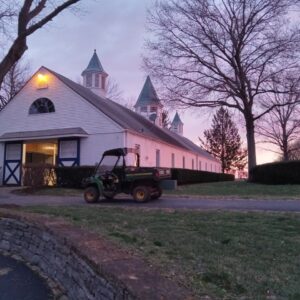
{"type": "Point", "coordinates": [117, 30]}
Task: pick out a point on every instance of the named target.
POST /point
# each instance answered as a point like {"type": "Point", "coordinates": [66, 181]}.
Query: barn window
{"type": "Point", "coordinates": [173, 160]}
{"type": "Point", "coordinates": [97, 80]}
{"type": "Point", "coordinates": [183, 162]}
{"type": "Point", "coordinates": [157, 158]}
{"type": "Point", "coordinates": [89, 78]}
{"type": "Point", "coordinates": [41, 106]}
{"type": "Point", "coordinates": [192, 164]}
{"type": "Point", "coordinates": [144, 109]}
{"type": "Point", "coordinates": [103, 83]}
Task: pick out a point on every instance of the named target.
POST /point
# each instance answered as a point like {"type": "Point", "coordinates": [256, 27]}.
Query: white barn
{"type": "Point", "coordinates": [57, 121]}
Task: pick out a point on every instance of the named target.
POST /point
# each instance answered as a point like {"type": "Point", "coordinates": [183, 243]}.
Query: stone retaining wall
{"type": "Point", "coordinates": [85, 265]}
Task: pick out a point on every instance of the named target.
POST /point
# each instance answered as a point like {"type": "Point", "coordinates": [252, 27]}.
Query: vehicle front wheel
{"type": "Point", "coordinates": [157, 193]}
{"type": "Point", "coordinates": [91, 194]}
{"type": "Point", "coordinates": [141, 194]}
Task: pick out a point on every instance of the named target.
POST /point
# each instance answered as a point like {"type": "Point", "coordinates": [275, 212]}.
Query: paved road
{"type": "Point", "coordinates": [18, 282]}
{"type": "Point", "coordinates": [165, 202]}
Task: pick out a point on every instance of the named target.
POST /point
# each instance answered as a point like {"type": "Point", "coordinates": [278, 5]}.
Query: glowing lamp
{"type": "Point", "coordinates": [42, 81]}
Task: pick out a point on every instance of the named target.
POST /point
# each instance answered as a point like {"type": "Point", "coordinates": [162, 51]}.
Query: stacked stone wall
{"type": "Point", "coordinates": [83, 264]}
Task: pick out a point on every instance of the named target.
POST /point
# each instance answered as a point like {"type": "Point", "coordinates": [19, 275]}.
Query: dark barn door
{"type": "Point", "coordinates": [13, 163]}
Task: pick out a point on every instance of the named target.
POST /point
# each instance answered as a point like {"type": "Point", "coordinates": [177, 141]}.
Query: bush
{"type": "Point", "coordinates": [184, 176]}
{"type": "Point", "coordinates": [277, 173]}
{"type": "Point", "coordinates": [38, 175]}
{"type": "Point", "coordinates": [71, 177]}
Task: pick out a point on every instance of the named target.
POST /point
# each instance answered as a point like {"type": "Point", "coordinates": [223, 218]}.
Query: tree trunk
{"type": "Point", "coordinates": [250, 141]}
{"type": "Point", "coordinates": [285, 144]}
{"type": "Point", "coordinates": [14, 54]}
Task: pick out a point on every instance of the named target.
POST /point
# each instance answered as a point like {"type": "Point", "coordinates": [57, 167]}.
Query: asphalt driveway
{"type": "Point", "coordinates": [18, 282]}
{"type": "Point", "coordinates": [169, 202]}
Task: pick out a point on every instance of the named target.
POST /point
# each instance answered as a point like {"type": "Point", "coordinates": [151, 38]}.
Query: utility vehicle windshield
{"type": "Point", "coordinates": [108, 163]}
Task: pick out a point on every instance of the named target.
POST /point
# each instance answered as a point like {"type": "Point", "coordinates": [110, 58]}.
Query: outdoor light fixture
{"type": "Point", "coordinates": [42, 81]}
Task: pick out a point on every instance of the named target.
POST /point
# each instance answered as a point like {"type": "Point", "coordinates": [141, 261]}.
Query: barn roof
{"type": "Point", "coordinates": [94, 65]}
{"type": "Point", "coordinates": [131, 120]}
{"type": "Point", "coordinates": [148, 95]}
{"type": "Point", "coordinates": [176, 119]}
{"type": "Point", "coordinates": [49, 133]}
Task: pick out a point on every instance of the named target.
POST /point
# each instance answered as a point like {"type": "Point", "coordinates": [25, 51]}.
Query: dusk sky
{"type": "Point", "coordinates": [117, 29]}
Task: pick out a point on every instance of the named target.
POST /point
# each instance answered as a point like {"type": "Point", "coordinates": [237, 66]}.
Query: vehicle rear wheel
{"type": "Point", "coordinates": [157, 193]}
{"type": "Point", "coordinates": [91, 194]}
{"type": "Point", "coordinates": [141, 194]}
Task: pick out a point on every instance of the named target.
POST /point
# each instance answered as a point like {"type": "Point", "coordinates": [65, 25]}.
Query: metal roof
{"type": "Point", "coordinates": [94, 65]}
{"type": "Point", "coordinates": [177, 119]}
{"type": "Point", "coordinates": [42, 134]}
{"type": "Point", "coordinates": [148, 95]}
{"type": "Point", "coordinates": [131, 120]}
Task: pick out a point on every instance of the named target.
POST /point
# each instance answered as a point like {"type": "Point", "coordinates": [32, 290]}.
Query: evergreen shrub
{"type": "Point", "coordinates": [184, 176]}
{"type": "Point", "coordinates": [277, 173]}
{"type": "Point", "coordinates": [72, 177]}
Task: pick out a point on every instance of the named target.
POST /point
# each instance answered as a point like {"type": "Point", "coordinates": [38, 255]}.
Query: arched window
{"type": "Point", "coordinates": [41, 106]}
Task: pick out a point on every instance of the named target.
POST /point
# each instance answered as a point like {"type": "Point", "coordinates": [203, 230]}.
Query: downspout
{"type": "Point", "coordinates": [125, 139]}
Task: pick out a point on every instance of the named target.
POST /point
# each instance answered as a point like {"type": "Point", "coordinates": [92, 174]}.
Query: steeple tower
{"type": "Point", "coordinates": [148, 103]}
{"type": "Point", "coordinates": [94, 76]}
{"type": "Point", "coordinates": [177, 125]}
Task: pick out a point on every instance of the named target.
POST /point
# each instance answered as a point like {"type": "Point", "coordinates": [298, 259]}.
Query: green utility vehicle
{"type": "Point", "coordinates": [118, 172]}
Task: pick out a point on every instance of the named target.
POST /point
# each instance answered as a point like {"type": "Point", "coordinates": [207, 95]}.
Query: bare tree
{"type": "Point", "coordinates": [27, 16]}
{"type": "Point", "coordinates": [165, 119]}
{"type": "Point", "coordinates": [13, 82]}
{"type": "Point", "coordinates": [113, 91]}
{"type": "Point", "coordinates": [295, 152]}
{"type": "Point", "coordinates": [209, 53]}
{"type": "Point", "coordinates": [281, 127]}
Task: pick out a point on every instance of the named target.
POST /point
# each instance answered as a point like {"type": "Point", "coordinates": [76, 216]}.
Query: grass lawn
{"type": "Point", "coordinates": [239, 189]}
{"type": "Point", "coordinates": [224, 255]}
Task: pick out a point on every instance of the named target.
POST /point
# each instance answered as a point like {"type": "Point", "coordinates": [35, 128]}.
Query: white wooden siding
{"type": "Point", "coordinates": [93, 147]}
{"type": "Point", "coordinates": [148, 154]}
{"type": "Point", "coordinates": [70, 110]}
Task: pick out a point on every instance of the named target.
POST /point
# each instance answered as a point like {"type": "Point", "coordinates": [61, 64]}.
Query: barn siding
{"type": "Point", "coordinates": [70, 111]}
{"type": "Point", "coordinates": [148, 149]}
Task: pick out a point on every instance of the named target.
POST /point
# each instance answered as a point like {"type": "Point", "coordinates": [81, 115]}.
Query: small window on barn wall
{"type": "Point", "coordinates": [183, 162]}
{"type": "Point", "coordinates": [41, 106]}
{"type": "Point", "coordinates": [103, 82]}
{"type": "Point", "coordinates": [97, 80]}
{"type": "Point", "coordinates": [192, 164]}
{"type": "Point", "coordinates": [89, 80]}
{"type": "Point", "coordinates": [157, 158]}
{"type": "Point", "coordinates": [173, 160]}
{"type": "Point", "coordinates": [153, 109]}
{"type": "Point", "coordinates": [144, 109]}
{"type": "Point", "coordinates": [199, 165]}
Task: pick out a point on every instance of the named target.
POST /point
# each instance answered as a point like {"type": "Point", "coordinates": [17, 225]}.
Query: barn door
{"type": "Point", "coordinates": [68, 152]}
{"type": "Point", "coordinates": [13, 164]}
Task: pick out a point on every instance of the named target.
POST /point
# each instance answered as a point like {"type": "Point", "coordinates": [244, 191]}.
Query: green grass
{"type": "Point", "coordinates": [223, 255]}
{"type": "Point", "coordinates": [239, 189]}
